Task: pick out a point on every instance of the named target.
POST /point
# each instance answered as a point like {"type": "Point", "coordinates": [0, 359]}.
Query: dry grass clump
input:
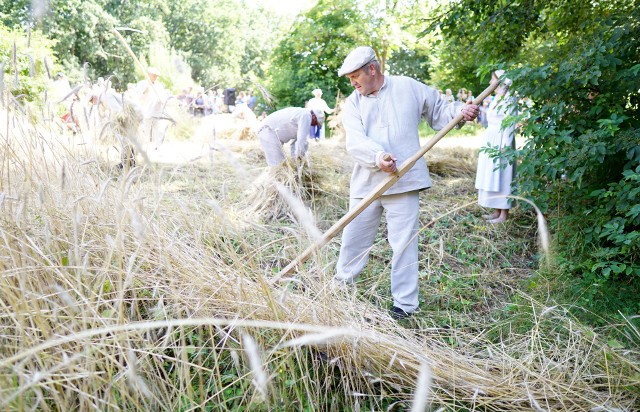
{"type": "Point", "coordinates": [269, 197]}
{"type": "Point", "coordinates": [314, 183]}
{"type": "Point", "coordinates": [119, 294]}
{"type": "Point", "coordinates": [242, 133]}
{"type": "Point", "coordinates": [452, 162]}
{"type": "Point", "coordinates": [126, 129]}
{"type": "Point", "coordinates": [334, 121]}
{"type": "Point", "coordinates": [231, 127]}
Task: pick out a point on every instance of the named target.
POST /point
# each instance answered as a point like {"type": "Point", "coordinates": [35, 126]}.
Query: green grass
{"type": "Point", "coordinates": [469, 129]}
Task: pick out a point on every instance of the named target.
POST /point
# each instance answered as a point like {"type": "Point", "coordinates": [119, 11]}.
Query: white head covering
{"type": "Point", "coordinates": [504, 80]}
{"type": "Point", "coordinates": [317, 92]}
{"type": "Point", "coordinates": [357, 59]}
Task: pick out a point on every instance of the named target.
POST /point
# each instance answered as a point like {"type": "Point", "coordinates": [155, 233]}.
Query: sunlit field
{"type": "Point", "coordinates": [152, 287]}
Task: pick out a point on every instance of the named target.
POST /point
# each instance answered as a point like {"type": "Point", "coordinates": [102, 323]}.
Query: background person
{"type": "Point", "coordinates": [462, 95]}
{"type": "Point", "coordinates": [63, 101]}
{"type": "Point", "coordinates": [151, 95]}
{"type": "Point", "coordinates": [381, 125]}
{"type": "Point", "coordinates": [252, 100]}
{"type": "Point", "coordinates": [494, 176]}
{"type": "Point", "coordinates": [448, 96]}
{"type": "Point", "coordinates": [290, 125]}
{"type": "Point", "coordinates": [320, 107]}
{"type": "Point", "coordinates": [482, 117]}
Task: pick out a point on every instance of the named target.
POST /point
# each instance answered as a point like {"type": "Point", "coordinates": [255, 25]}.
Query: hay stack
{"type": "Point", "coordinates": [264, 197]}
{"type": "Point", "coordinates": [237, 133]}
{"type": "Point", "coordinates": [233, 127]}
{"type": "Point", "coordinates": [452, 162]}
{"type": "Point", "coordinates": [126, 130]}
{"type": "Point", "coordinates": [334, 122]}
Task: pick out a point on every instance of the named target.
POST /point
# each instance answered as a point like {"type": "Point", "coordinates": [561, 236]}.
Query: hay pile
{"type": "Point", "coordinates": [320, 183]}
{"type": "Point", "coordinates": [127, 131]}
{"type": "Point", "coordinates": [239, 133]}
{"type": "Point", "coordinates": [231, 127]}
{"type": "Point", "coordinates": [452, 162]}
{"type": "Point", "coordinates": [334, 122]}
{"type": "Point", "coordinates": [266, 200]}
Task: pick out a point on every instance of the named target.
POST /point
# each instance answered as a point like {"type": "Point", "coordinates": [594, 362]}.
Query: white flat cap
{"type": "Point", "coordinates": [504, 80]}
{"type": "Point", "coordinates": [356, 59]}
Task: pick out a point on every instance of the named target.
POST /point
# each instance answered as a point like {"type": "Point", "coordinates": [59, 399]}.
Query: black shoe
{"type": "Point", "coordinates": [399, 314]}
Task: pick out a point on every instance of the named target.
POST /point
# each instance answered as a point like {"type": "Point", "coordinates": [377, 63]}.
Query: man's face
{"type": "Point", "coordinates": [364, 80]}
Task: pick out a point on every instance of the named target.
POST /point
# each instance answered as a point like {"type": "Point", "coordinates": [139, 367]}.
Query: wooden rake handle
{"type": "Point", "coordinates": [379, 190]}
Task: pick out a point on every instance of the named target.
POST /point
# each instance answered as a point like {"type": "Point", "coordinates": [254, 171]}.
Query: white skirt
{"type": "Point", "coordinates": [495, 200]}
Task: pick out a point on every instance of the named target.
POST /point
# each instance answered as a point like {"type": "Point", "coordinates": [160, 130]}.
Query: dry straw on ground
{"type": "Point", "coordinates": [458, 162]}
{"type": "Point", "coordinates": [119, 293]}
{"type": "Point", "coordinates": [264, 199]}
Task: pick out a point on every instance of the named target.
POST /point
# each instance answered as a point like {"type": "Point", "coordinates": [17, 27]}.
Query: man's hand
{"type": "Point", "coordinates": [470, 112]}
{"type": "Point", "coordinates": [387, 163]}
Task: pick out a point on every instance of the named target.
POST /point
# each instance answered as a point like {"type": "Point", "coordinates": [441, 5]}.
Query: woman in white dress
{"type": "Point", "coordinates": [494, 176]}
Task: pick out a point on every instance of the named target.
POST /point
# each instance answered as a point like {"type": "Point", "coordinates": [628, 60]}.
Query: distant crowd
{"type": "Point", "coordinates": [464, 95]}
{"type": "Point", "coordinates": [201, 102]}
{"type": "Point", "coordinates": [153, 100]}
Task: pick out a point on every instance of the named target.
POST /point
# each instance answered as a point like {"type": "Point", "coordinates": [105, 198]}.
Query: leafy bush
{"type": "Point", "coordinates": [578, 63]}
{"type": "Point", "coordinates": [25, 61]}
{"type": "Point", "coordinates": [582, 157]}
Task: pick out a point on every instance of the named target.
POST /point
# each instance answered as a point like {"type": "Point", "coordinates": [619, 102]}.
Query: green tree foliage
{"type": "Point", "coordinates": [223, 42]}
{"type": "Point", "coordinates": [311, 54]}
{"type": "Point", "coordinates": [204, 33]}
{"type": "Point", "coordinates": [140, 24]}
{"type": "Point", "coordinates": [25, 64]}
{"type": "Point", "coordinates": [315, 47]}
{"type": "Point", "coordinates": [412, 62]}
{"type": "Point", "coordinates": [579, 64]}
{"type": "Point", "coordinates": [83, 35]}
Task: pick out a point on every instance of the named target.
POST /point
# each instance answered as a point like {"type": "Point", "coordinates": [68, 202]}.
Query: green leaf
{"type": "Point", "coordinates": [615, 344]}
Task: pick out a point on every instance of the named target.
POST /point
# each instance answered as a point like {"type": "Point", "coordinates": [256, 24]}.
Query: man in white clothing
{"type": "Point", "coordinates": [292, 124]}
{"type": "Point", "coordinates": [151, 95]}
{"type": "Point", "coordinates": [381, 120]}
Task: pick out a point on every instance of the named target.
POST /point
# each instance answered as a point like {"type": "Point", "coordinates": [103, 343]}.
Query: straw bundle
{"type": "Point", "coordinates": [264, 200]}
{"type": "Point", "coordinates": [126, 130]}
{"type": "Point", "coordinates": [237, 133]}
{"type": "Point", "coordinates": [334, 122]}
{"type": "Point", "coordinates": [229, 126]}
{"type": "Point", "coordinates": [452, 162]}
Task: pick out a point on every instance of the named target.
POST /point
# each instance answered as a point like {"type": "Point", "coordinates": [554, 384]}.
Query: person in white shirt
{"type": "Point", "coordinates": [448, 96]}
{"type": "Point", "coordinates": [291, 124]}
{"type": "Point", "coordinates": [319, 106]}
{"type": "Point", "coordinates": [381, 120]}
{"type": "Point", "coordinates": [151, 95]}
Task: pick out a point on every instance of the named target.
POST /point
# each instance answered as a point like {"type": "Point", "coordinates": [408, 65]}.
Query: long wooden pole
{"type": "Point", "coordinates": [379, 190]}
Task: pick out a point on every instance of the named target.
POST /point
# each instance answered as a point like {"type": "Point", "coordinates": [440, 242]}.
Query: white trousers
{"type": "Point", "coordinates": [401, 211]}
{"type": "Point", "coordinates": [271, 145]}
